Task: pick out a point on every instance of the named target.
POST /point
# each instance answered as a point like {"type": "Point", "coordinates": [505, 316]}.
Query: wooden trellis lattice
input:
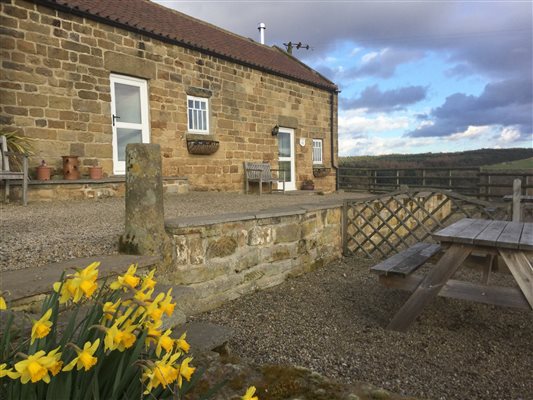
{"type": "Point", "coordinates": [379, 226]}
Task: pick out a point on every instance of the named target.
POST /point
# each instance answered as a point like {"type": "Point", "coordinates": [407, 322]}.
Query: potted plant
{"type": "Point", "coordinates": [43, 171]}
{"type": "Point", "coordinates": [95, 171]}
{"type": "Point", "coordinates": [308, 184]}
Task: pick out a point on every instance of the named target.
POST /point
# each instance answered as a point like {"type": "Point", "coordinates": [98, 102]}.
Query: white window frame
{"type": "Point", "coordinates": [195, 129]}
{"type": "Point", "coordinates": [318, 149]}
{"type": "Point", "coordinates": [119, 167]}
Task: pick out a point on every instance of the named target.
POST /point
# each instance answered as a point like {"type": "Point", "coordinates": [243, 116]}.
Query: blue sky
{"type": "Point", "coordinates": [415, 76]}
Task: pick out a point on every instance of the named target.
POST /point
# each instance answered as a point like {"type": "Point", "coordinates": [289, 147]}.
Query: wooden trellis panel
{"type": "Point", "coordinates": [382, 225]}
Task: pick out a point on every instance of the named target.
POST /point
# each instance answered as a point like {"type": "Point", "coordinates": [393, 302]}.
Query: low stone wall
{"type": "Point", "coordinates": [88, 189]}
{"type": "Point", "coordinates": [225, 257]}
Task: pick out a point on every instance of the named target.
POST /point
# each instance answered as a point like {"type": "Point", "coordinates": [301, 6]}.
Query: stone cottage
{"type": "Point", "coordinates": [85, 78]}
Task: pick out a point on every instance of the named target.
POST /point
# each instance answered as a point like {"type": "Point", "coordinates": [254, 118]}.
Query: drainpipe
{"type": "Point", "coordinates": [333, 114]}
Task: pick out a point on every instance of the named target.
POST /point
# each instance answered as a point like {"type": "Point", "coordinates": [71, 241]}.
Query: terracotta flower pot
{"type": "Point", "coordinates": [95, 172]}
{"type": "Point", "coordinates": [43, 173]}
{"type": "Point", "coordinates": [71, 167]}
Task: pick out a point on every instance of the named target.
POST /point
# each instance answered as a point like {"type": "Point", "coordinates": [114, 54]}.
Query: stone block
{"type": "Point", "coordinates": [287, 233]}
{"type": "Point", "coordinates": [180, 243]}
{"type": "Point", "coordinates": [246, 260]}
{"type": "Point", "coordinates": [221, 247]}
{"type": "Point", "coordinates": [259, 235]}
{"type": "Point", "coordinates": [196, 249]}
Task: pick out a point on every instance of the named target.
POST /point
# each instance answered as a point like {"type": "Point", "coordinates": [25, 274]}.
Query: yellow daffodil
{"type": "Point", "coordinates": [143, 295]}
{"type": "Point", "coordinates": [153, 332]}
{"type": "Point", "coordinates": [109, 309]}
{"type": "Point", "coordinates": [166, 305]}
{"type": "Point", "coordinates": [182, 343]}
{"type": "Point", "coordinates": [185, 371]}
{"type": "Point", "coordinates": [128, 280]}
{"type": "Point", "coordinates": [55, 366]}
{"type": "Point", "coordinates": [163, 372]}
{"type": "Point", "coordinates": [81, 283]}
{"type": "Point", "coordinates": [119, 337]}
{"type": "Point", "coordinates": [249, 395]}
{"type": "Point", "coordinates": [152, 310]}
{"type": "Point", "coordinates": [3, 305]}
{"type": "Point", "coordinates": [85, 358]}
{"type": "Point", "coordinates": [36, 367]}
{"type": "Point", "coordinates": [8, 372]}
{"type": "Point", "coordinates": [42, 327]}
{"type": "Point", "coordinates": [164, 342]}
{"type": "Point", "coordinates": [148, 281]}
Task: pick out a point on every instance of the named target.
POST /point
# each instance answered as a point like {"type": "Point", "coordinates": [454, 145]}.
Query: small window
{"type": "Point", "coordinates": [317, 151]}
{"type": "Point", "coordinates": [198, 114]}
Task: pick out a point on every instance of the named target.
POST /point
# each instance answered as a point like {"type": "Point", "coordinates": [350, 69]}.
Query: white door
{"type": "Point", "coordinates": [129, 113]}
{"type": "Point", "coordinates": [286, 158]}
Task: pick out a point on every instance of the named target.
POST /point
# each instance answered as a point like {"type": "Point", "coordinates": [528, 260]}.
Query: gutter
{"type": "Point", "coordinates": [333, 114]}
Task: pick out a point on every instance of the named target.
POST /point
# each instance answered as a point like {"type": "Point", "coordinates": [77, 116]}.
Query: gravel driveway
{"type": "Point", "coordinates": [46, 232]}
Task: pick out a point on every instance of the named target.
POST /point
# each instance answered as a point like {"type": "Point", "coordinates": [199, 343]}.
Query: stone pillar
{"type": "Point", "coordinates": [145, 225]}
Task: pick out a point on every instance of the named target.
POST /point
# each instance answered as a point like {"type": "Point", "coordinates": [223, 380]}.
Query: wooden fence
{"type": "Point", "coordinates": [467, 181]}
{"type": "Point", "coordinates": [381, 225]}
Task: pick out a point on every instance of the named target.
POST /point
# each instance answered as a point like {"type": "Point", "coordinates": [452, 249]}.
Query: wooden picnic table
{"type": "Point", "coordinates": [513, 241]}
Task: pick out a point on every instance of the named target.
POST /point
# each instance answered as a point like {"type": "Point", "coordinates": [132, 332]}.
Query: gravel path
{"type": "Point", "coordinates": [331, 321]}
{"type": "Point", "coordinates": [47, 232]}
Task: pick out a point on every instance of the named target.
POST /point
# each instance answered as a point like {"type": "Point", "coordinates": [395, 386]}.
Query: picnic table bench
{"type": "Point", "coordinates": [260, 172]}
{"type": "Point", "coordinates": [406, 262]}
{"type": "Point", "coordinates": [512, 241]}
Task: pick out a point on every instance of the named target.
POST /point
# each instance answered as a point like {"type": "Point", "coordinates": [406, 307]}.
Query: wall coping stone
{"type": "Point", "coordinates": [29, 282]}
{"type": "Point", "coordinates": [184, 222]}
{"type": "Point", "coordinates": [187, 222]}
{"type": "Point", "coordinates": [323, 206]}
{"type": "Point", "coordinates": [110, 179]}
{"type": "Point", "coordinates": [280, 212]}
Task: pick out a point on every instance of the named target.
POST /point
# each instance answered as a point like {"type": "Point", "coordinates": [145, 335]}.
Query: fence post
{"type": "Point", "coordinates": [450, 179]}
{"type": "Point", "coordinates": [517, 209]}
{"type": "Point", "coordinates": [397, 179]}
{"type": "Point", "coordinates": [424, 178]}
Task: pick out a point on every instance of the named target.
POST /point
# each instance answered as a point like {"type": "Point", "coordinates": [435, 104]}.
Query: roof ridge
{"type": "Point", "coordinates": [244, 38]}
{"type": "Point", "coordinates": [302, 63]}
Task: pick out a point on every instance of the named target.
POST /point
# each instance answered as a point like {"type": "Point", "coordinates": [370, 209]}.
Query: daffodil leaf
{"type": "Point", "coordinates": [131, 370]}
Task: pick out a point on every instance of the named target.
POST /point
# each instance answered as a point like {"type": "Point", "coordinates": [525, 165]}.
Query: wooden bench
{"type": "Point", "coordinates": [7, 175]}
{"type": "Point", "coordinates": [407, 261]}
{"type": "Point", "coordinates": [260, 172]}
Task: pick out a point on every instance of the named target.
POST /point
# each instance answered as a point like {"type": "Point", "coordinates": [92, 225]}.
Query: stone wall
{"type": "Point", "coordinates": [55, 88]}
{"type": "Point", "coordinates": [85, 189]}
{"type": "Point", "coordinates": [224, 257]}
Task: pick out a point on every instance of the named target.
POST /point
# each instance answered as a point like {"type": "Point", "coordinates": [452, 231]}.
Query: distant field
{"type": "Point", "coordinates": [526, 163]}
{"type": "Point", "coordinates": [508, 158]}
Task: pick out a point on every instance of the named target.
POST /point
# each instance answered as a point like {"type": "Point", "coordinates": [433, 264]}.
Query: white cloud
{"type": "Point", "coordinates": [355, 121]}
{"type": "Point", "coordinates": [372, 55]}
{"type": "Point", "coordinates": [355, 51]}
{"type": "Point", "coordinates": [473, 132]}
{"type": "Point", "coordinates": [509, 134]}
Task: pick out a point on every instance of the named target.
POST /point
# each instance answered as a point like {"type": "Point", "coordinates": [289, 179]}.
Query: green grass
{"type": "Point", "coordinates": [526, 163]}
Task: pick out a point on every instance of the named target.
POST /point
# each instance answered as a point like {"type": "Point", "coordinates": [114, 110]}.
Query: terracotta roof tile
{"type": "Point", "coordinates": [172, 25]}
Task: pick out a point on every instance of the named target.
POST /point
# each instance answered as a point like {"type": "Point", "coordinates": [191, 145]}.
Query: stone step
{"type": "Point", "coordinates": [205, 336]}
{"type": "Point", "coordinates": [27, 283]}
